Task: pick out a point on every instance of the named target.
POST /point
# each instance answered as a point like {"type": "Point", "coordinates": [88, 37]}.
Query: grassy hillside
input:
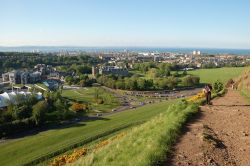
{"type": "Point", "coordinates": [146, 144]}
{"type": "Point", "coordinates": [27, 149]}
{"type": "Point", "coordinates": [221, 74]}
{"type": "Point", "coordinates": [243, 82]}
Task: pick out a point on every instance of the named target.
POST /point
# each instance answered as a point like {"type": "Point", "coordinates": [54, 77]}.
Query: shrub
{"type": "Point", "coordinates": [77, 107]}
{"type": "Point", "coordinates": [218, 86]}
{"type": "Point", "coordinates": [190, 80]}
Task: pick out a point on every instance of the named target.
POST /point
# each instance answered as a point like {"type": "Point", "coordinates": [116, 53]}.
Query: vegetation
{"type": "Point", "coordinates": [137, 83]}
{"type": "Point", "coordinates": [29, 113]}
{"type": "Point", "coordinates": [220, 74]}
{"type": "Point", "coordinates": [16, 60]}
{"type": "Point", "coordinates": [61, 139]}
{"type": "Point", "coordinates": [146, 144]}
{"type": "Point", "coordinates": [95, 98]}
{"type": "Point", "coordinates": [242, 83]}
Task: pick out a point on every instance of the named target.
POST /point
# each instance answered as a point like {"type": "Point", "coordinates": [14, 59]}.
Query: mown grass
{"type": "Point", "coordinates": [87, 96]}
{"type": "Point", "coordinates": [146, 144]}
{"type": "Point", "coordinates": [27, 149]}
{"type": "Point", "coordinates": [221, 74]}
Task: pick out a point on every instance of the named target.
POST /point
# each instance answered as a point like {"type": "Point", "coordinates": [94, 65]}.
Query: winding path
{"type": "Point", "coordinates": [219, 135]}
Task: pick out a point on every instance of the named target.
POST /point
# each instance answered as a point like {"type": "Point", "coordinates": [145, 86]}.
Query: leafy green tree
{"type": "Point", "coordinates": [21, 112]}
{"type": "Point", "coordinates": [184, 73]}
{"type": "Point", "coordinates": [39, 112]}
{"type": "Point", "coordinates": [153, 73]}
{"type": "Point", "coordinates": [171, 82]}
{"type": "Point", "coordinates": [141, 84]}
{"type": "Point", "coordinates": [190, 80]}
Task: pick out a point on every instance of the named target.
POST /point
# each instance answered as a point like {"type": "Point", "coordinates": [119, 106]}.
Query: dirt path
{"type": "Point", "coordinates": [220, 135]}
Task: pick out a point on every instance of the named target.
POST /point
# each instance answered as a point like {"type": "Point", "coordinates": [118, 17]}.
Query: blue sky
{"type": "Point", "coordinates": [153, 23]}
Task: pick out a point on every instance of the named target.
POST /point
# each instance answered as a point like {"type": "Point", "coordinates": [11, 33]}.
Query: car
{"type": "Point", "coordinates": [98, 114]}
{"type": "Point", "coordinates": [113, 110]}
{"type": "Point", "coordinates": [132, 107]}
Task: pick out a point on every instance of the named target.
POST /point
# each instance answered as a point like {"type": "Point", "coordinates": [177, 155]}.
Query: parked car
{"type": "Point", "coordinates": [98, 114]}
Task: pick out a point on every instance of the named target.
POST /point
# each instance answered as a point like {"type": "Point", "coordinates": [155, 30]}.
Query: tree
{"type": "Point", "coordinates": [153, 73]}
{"type": "Point", "coordinates": [39, 112]}
{"type": "Point", "coordinates": [21, 112]}
{"type": "Point", "coordinates": [141, 84]}
{"type": "Point", "coordinates": [171, 82]}
{"type": "Point", "coordinates": [190, 80]}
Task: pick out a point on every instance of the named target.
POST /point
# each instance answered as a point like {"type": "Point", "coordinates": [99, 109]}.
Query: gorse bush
{"type": "Point", "coordinates": [147, 144]}
{"type": "Point", "coordinates": [218, 86]}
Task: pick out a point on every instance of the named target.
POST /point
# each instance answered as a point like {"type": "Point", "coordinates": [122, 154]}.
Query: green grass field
{"type": "Point", "coordinates": [221, 74]}
{"type": "Point", "coordinates": [86, 95]}
{"type": "Point", "coordinates": [24, 150]}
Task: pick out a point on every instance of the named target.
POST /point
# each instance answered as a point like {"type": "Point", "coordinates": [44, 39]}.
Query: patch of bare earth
{"type": "Point", "coordinates": [220, 135]}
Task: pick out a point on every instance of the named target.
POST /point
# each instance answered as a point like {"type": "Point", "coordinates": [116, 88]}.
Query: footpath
{"type": "Point", "coordinates": [218, 136]}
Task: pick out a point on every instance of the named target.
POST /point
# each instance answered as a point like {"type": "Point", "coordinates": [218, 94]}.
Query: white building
{"type": "Point", "coordinates": [11, 98]}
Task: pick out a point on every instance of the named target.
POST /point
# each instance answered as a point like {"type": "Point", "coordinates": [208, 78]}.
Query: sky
{"type": "Point", "coordinates": [137, 23]}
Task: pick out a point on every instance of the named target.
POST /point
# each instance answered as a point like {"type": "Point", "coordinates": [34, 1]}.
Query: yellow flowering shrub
{"type": "Point", "coordinates": [69, 158]}
{"type": "Point", "coordinates": [197, 97]}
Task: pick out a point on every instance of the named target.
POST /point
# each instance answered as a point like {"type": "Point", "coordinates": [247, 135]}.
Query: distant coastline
{"type": "Point", "coordinates": [122, 49]}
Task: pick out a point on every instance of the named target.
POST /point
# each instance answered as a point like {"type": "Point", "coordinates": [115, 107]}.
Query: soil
{"type": "Point", "coordinates": [218, 136]}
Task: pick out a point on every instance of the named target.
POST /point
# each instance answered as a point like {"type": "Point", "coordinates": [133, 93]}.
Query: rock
{"type": "Point", "coordinates": [209, 160]}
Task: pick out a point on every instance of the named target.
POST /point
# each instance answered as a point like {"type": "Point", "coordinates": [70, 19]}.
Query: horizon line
{"type": "Point", "coordinates": [110, 46]}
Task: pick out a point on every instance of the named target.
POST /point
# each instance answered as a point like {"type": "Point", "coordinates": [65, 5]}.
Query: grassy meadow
{"type": "Point", "coordinates": [27, 149]}
{"type": "Point", "coordinates": [86, 95]}
{"type": "Point", "coordinates": [146, 144]}
{"type": "Point", "coordinates": [221, 74]}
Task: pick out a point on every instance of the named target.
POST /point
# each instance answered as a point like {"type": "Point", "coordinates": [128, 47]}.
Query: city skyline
{"type": "Point", "coordinates": [207, 24]}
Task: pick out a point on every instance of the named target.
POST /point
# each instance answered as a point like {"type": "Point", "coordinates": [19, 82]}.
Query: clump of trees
{"type": "Point", "coordinates": [137, 83]}
{"type": "Point", "coordinates": [16, 60]}
{"type": "Point", "coordinates": [190, 80]}
{"type": "Point", "coordinates": [82, 80]}
{"type": "Point", "coordinates": [29, 112]}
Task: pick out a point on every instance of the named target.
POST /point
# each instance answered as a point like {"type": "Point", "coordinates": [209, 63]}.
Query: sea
{"type": "Point", "coordinates": [125, 49]}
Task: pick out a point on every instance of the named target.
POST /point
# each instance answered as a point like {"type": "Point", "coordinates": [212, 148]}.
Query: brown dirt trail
{"type": "Point", "coordinates": [220, 135]}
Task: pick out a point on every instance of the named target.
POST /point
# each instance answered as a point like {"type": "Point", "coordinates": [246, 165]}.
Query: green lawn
{"type": "Point", "coordinates": [86, 95]}
{"type": "Point", "coordinates": [24, 150]}
{"type": "Point", "coordinates": [221, 74]}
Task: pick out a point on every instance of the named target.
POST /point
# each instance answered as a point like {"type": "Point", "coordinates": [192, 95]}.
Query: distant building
{"type": "Point", "coordinates": [94, 70]}
{"type": "Point", "coordinates": [44, 69]}
{"type": "Point", "coordinates": [196, 52]}
{"type": "Point", "coordinates": [11, 98]}
{"type": "Point", "coordinates": [158, 58]}
{"type": "Point", "coordinates": [21, 77]}
{"type": "Point", "coordinates": [106, 70]}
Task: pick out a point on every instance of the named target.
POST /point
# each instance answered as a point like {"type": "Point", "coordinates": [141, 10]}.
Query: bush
{"type": "Point", "coordinates": [190, 80]}
{"type": "Point", "coordinates": [218, 86]}
{"type": "Point", "coordinates": [77, 107]}
{"type": "Point", "coordinates": [16, 126]}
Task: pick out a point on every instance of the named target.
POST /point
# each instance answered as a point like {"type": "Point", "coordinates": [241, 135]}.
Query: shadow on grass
{"type": "Point", "coordinates": [186, 128]}
{"type": "Point", "coordinates": [56, 126]}
{"type": "Point", "coordinates": [233, 105]}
